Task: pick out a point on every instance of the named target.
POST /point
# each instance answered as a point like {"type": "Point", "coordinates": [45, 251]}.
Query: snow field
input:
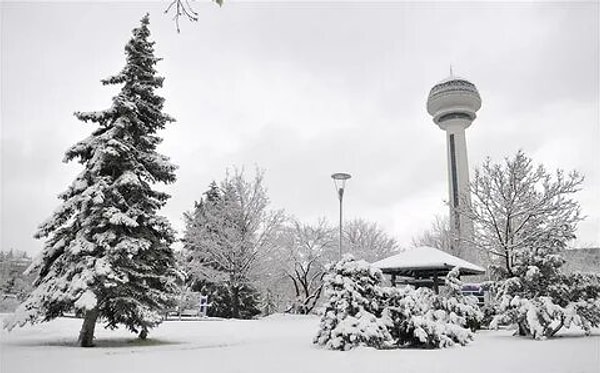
{"type": "Point", "coordinates": [279, 343]}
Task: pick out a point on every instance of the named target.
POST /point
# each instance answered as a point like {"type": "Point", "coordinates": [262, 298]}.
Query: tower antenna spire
{"type": "Point", "coordinates": [451, 71]}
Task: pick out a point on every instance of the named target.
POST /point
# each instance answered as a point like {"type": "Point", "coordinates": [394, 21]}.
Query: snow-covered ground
{"type": "Point", "coordinates": [278, 343]}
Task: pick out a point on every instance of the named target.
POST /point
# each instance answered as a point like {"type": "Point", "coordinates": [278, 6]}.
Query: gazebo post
{"type": "Point", "coordinates": [435, 283]}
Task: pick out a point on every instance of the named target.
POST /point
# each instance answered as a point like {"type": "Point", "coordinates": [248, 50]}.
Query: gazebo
{"type": "Point", "coordinates": [424, 266]}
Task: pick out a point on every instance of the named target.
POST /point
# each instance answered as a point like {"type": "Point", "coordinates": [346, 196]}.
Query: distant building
{"type": "Point", "coordinates": [11, 263]}
{"type": "Point", "coordinates": [583, 260]}
{"type": "Point", "coordinates": [12, 279]}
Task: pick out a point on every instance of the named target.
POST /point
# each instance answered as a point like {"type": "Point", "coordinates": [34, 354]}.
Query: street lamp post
{"type": "Point", "coordinates": [339, 180]}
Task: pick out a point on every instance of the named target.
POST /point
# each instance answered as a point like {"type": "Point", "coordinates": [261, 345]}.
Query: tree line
{"type": "Point", "coordinates": [251, 259]}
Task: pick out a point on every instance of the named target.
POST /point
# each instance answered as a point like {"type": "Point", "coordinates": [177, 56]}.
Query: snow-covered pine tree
{"type": "Point", "coordinates": [107, 253]}
{"type": "Point", "coordinates": [352, 312]}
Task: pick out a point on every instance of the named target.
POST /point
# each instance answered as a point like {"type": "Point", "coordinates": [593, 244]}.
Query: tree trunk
{"type": "Point", "coordinates": [523, 329]}
{"type": "Point", "coordinates": [550, 332]}
{"type": "Point", "coordinates": [235, 302]}
{"type": "Point", "coordinates": [143, 333]}
{"type": "Point", "coordinates": [86, 335]}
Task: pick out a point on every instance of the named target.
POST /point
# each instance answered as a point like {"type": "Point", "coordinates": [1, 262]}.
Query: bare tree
{"type": "Point", "coordinates": [517, 206]}
{"type": "Point", "coordinates": [305, 251]}
{"type": "Point", "coordinates": [367, 240]}
{"type": "Point", "coordinates": [438, 235]}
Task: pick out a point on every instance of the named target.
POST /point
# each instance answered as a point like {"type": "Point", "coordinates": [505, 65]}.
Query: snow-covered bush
{"type": "Point", "coordinates": [461, 308]}
{"type": "Point", "coordinates": [416, 322]}
{"type": "Point", "coordinates": [541, 300]}
{"type": "Point", "coordinates": [419, 317]}
{"type": "Point", "coordinates": [571, 301]}
{"type": "Point", "coordinates": [360, 312]}
{"type": "Point", "coordinates": [352, 312]}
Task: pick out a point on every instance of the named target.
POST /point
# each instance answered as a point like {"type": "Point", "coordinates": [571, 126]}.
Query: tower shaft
{"type": "Point", "coordinates": [458, 185]}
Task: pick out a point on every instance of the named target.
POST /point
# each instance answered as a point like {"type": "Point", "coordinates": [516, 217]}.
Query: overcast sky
{"type": "Point", "coordinates": [304, 90]}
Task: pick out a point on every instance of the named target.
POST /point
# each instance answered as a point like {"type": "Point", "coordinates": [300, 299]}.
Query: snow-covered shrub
{"type": "Point", "coordinates": [571, 301]}
{"type": "Point", "coordinates": [463, 309]}
{"type": "Point", "coordinates": [352, 312]}
{"type": "Point", "coordinates": [360, 312]}
{"type": "Point", "coordinates": [489, 312]}
{"type": "Point", "coordinates": [541, 300]}
{"type": "Point", "coordinates": [419, 317]}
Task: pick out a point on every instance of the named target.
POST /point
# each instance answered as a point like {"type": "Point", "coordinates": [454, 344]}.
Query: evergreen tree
{"type": "Point", "coordinates": [107, 253]}
{"type": "Point", "coordinates": [352, 312]}
{"type": "Point", "coordinates": [220, 302]}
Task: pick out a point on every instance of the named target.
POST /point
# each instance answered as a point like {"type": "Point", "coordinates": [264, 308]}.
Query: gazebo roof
{"type": "Point", "coordinates": [425, 261]}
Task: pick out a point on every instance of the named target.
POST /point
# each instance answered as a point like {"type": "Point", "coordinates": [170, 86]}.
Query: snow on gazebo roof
{"type": "Point", "coordinates": [425, 259]}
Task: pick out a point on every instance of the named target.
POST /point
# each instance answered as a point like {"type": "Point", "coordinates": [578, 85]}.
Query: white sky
{"type": "Point", "coordinates": [304, 90]}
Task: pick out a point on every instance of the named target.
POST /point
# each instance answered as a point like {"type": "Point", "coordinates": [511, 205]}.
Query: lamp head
{"type": "Point", "coordinates": [340, 176]}
{"type": "Point", "coordinates": [339, 180]}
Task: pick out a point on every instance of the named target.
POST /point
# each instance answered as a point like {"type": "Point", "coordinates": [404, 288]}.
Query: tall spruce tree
{"type": "Point", "coordinates": [107, 253]}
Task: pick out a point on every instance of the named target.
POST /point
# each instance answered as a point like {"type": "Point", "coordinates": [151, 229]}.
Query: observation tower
{"type": "Point", "coordinates": [453, 103]}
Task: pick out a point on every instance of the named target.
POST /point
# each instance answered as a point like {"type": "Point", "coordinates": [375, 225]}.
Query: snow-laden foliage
{"type": "Point", "coordinates": [221, 302]}
{"type": "Point", "coordinates": [463, 309]}
{"type": "Point", "coordinates": [361, 312]}
{"type": "Point", "coordinates": [540, 299]}
{"type": "Point", "coordinates": [352, 312]}
{"type": "Point", "coordinates": [227, 237]}
{"type": "Point", "coordinates": [523, 217]}
{"type": "Point", "coordinates": [516, 206]}
{"type": "Point", "coordinates": [107, 251]}
{"type": "Point", "coordinates": [419, 317]}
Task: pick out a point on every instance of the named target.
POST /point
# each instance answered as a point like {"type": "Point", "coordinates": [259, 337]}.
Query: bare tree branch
{"type": "Point", "coordinates": [183, 8]}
